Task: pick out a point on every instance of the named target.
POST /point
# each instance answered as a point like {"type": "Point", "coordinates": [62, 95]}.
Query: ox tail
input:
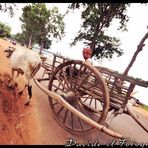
{"type": "Point", "coordinates": [35, 70]}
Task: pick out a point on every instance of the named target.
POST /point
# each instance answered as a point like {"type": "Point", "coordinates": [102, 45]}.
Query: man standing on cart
{"type": "Point", "coordinates": [87, 54]}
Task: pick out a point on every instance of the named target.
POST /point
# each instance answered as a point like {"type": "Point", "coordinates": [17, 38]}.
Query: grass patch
{"type": "Point", "coordinates": [145, 107]}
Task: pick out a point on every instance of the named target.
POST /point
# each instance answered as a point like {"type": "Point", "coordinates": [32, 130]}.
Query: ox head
{"type": "Point", "coordinates": [9, 51]}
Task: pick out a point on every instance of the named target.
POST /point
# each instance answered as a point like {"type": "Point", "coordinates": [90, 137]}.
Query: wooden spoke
{"type": "Point", "coordinates": [83, 80]}
{"type": "Point", "coordinates": [61, 83]}
{"type": "Point", "coordinates": [60, 110]}
{"type": "Point", "coordinates": [65, 116]}
{"type": "Point", "coordinates": [72, 120]}
{"type": "Point", "coordinates": [65, 79]}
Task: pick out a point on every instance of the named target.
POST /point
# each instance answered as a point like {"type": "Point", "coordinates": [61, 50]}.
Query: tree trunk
{"type": "Point", "coordinates": [43, 35]}
{"type": "Point", "coordinates": [30, 42]}
{"type": "Point", "coordinates": [41, 47]}
{"type": "Point", "coordinates": [99, 26]}
{"type": "Point", "coordinates": [92, 46]}
{"type": "Point", "coordinates": [139, 48]}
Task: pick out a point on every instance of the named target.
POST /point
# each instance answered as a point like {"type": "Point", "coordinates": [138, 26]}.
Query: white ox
{"type": "Point", "coordinates": [24, 61]}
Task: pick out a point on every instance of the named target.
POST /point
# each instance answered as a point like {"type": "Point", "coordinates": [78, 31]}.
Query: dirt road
{"type": "Point", "coordinates": [51, 133]}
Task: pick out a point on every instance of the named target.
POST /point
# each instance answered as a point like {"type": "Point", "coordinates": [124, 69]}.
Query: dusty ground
{"type": "Point", "coordinates": [18, 124]}
{"type": "Point", "coordinates": [35, 124]}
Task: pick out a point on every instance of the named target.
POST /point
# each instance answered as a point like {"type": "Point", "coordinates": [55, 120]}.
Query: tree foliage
{"type": "Point", "coordinates": [96, 18]}
{"type": "Point", "coordinates": [8, 7]}
{"type": "Point", "coordinates": [41, 25]}
{"type": "Point", "coordinates": [20, 37]}
{"type": "Point", "coordinates": [4, 30]}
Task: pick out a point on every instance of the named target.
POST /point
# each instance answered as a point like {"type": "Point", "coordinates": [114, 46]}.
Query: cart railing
{"type": "Point", "coordinates": [52, 62]}
{"type": "Point", "coordinates": [120, 86]}
{"type": "Point", "coordinates": [136, 81]}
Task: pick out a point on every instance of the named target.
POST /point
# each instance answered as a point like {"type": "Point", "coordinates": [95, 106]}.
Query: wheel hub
{"type": "Point", "coordinates": [70, 97]}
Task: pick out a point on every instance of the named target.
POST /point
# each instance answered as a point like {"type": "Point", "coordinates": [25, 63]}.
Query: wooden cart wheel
{"type": "Point", "coordinates": [83, 87]}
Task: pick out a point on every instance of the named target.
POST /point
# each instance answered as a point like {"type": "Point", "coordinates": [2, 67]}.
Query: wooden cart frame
{"type": "Point", "coordinates": [81, 95]}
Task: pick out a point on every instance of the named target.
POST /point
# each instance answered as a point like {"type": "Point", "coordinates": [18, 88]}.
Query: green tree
{"type": "Point", "coordinates": [42, 25]}
{"type": "Point", "coordinates": [47, 43]}
{"type": "Point", "coordinates": [20, 37]}
{"type": "Point", "coordinates": [96, 18]}
{"type": "Point", "coordinates": [28, 24]}
{"type": "Point", "coordinates": [4, 30]}
{"type": "Point", "coordinates": [8, 7]}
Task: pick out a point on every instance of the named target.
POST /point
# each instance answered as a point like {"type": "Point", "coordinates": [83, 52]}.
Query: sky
{"type": "Point", "coordinates": [137, 28]}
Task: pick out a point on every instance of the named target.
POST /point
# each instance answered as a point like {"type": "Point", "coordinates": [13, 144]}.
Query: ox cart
{"type": "Point", "coordinates": [81, 95]}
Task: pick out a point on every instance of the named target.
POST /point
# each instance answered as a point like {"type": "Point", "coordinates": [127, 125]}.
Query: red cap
{"type": "Point", "coordinates": [87, 49]}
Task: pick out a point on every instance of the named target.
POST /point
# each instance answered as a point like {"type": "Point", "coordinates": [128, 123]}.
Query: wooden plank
{"type": "Point", "coordinates": [124, 78]}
